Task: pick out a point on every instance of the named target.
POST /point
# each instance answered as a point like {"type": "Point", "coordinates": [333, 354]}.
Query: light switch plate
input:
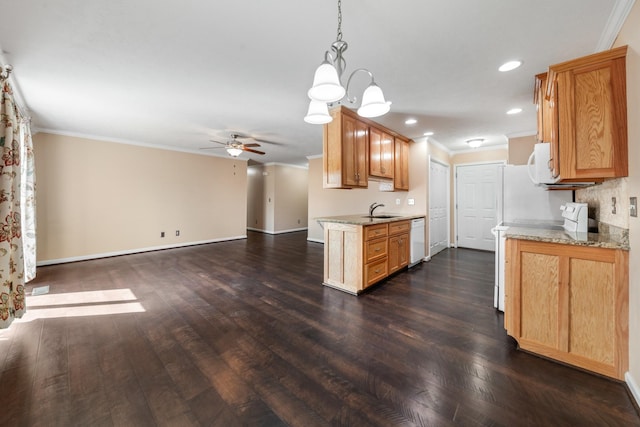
{"type": "Point", "coordinates": [633, 206]}
{"type": "Point", "coordinates": [411, 202]}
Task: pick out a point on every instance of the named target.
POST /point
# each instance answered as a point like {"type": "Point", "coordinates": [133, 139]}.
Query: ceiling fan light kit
{"type": "Point", "coordinates": [327, 87]}
{"type": "Point", "coordinates": [235, 147]}
{"type": "Point", "coordinates": [233, 151]}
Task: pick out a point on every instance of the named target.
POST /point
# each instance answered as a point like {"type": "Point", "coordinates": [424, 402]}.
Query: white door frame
{"type": "Point", "coordinates": [455, 192]}
{"type": "Point", "coordinates": [448, 166]}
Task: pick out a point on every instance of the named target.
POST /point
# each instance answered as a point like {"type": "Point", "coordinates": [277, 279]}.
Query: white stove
{"type": "Point", "coordinates": [576, 222]}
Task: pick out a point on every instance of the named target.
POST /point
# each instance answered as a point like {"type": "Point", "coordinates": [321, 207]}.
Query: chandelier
{"type": "Point", "coordinates": [327, 87]}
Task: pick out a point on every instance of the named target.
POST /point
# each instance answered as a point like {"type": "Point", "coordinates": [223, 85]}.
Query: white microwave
{"type": "Point", "coordinates": [539, 164]}
{"type": "Point", "coordinates": [539, 168]}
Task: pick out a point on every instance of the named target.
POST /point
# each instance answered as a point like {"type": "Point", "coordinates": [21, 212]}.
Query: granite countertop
{"type": "Point", "coordinates": [362, 219]}
{"type": "Point", "coordinates": [553, 234]}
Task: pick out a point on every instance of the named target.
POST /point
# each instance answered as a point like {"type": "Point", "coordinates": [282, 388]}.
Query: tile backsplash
{"type": "Point", "coordinates": [599, 198]}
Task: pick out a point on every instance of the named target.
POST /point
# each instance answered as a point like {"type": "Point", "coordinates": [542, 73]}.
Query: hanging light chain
{"type": "Point", "coordinates": [339, 37]}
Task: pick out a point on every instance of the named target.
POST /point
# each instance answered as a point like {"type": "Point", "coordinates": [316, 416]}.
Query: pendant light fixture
{"type": "Point", "coordinates": [327, 87]}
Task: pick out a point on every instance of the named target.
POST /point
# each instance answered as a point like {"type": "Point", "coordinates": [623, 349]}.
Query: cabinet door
{"type": "Point", "coordinates": [398, 252]}
{"type": "Point", "coordinates": [592, 116]}
{"type": "Point", "coordinates": [401, 165]}
{"type": "Point", "coordinates": [539, 299]}
{"type": "Point", "coordinates": [354, 150]}
{"type": "Point", "coordinates": [381, 152]}
{"type": "Point", "coordinates": [543, 108]}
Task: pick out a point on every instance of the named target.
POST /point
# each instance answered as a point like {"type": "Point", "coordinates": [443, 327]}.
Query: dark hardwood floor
{"type": "Point", "coordinates": [243, 333]}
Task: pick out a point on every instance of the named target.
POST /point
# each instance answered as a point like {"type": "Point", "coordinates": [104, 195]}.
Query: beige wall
{"type": "Point", "coordinates": [520, 149]}
{"type": "Point", "coordinates": [291, 193]}
{"type": "Point", "coordinates": [96, 198]}
{"type": "Point", "coordinates": [480, 156]}
{"type": "Point", "coordinates": [277, 198]}
{"type": "Point", "coordinates": [331, 202]}
{"type": "Point", "coordinates": [630, 35]}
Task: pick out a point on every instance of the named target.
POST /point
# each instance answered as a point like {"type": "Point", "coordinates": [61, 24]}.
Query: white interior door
{"type": "Point", "coordinates": [438, 207]}
{"type": "Point", "coordinates": [476, 205]}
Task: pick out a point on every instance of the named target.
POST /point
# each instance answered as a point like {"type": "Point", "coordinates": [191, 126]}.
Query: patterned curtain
{"type": "Point", "coordinates": [17, 185]}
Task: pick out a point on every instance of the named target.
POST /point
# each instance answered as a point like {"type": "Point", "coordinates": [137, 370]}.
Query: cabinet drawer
{"type": "Point", "coordinates": [399, 227]}
{"type": "Point", "coordinates": [375, 231]}
{"type": "Point", "coordinates": [375, 249]}
{"type": "Point", "coordinates": [376, 271]}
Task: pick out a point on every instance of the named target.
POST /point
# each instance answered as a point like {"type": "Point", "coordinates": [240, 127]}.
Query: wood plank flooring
{"type": "Point", "coordinates": [243, 333]}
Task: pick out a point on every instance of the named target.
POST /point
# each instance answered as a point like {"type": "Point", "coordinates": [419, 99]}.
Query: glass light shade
{"type": "Point", "coordinates": [475, 143]}
{"type": "Point", "coordinates": [233, 151]}
{"type": "Point", "coordinates": [318, 113]}
{"type": "Point", "coordinates": [326, 84]}
{"type": "Point", "coordinates": [373, 103]}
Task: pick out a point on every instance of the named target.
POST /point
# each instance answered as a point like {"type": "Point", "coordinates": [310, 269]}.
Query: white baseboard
{"type": "Point", "coordinates": [633, 386]}
{"type": "Point", "coordinates": [309, 239]}
{"type": "Point", "coordinates": [133, 251]}
{"type": "Point", "coordinates": [277, 232]}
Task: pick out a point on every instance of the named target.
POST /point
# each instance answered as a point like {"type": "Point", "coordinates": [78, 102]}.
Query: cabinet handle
{"type": "Point", "coordinates": [377, 249]}
{"type": "Point", "coordinates": [377, 271]}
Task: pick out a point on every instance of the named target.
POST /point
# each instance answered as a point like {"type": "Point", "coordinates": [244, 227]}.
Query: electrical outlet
{"type": "Point", "coordinates": [177, 233]}
{"type": "Point", "coordinates": [633, 206]}
{"type": "Point", "coordinates": [162, 234]}
{"type": "Point", "coordinates": [397, 201]}
{"type": "Point", "coordinates": [613, 205]}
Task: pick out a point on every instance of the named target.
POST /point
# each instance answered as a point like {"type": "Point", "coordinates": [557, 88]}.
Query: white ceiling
{"type": "Point", "coordinates": [178, 73]}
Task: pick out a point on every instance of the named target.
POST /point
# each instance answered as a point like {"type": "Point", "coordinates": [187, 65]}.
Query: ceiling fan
{"type": "Point", "coordinates": [235, 147]}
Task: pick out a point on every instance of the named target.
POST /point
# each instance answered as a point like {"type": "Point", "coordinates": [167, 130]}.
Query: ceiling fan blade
{"type": "Point", "coordinates": [218, 142]}
{"type": "Point", "coordinates": [253, 144]}
{"type": "Point", "coordinates": [252, 150]}
{"type": "Point", "coordinates": [264, 141]}
{"type": "Point", "coordinates": [209, 148]}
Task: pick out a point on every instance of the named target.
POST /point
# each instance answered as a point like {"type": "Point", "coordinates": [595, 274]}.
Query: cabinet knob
{"type": "Point", "coordinates": [377, 249]}
{"type": "Point", "coordinates": [377, 271]}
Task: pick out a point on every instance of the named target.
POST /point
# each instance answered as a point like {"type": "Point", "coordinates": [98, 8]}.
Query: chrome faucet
{"type": "Point", "coordinates": [373, 207]}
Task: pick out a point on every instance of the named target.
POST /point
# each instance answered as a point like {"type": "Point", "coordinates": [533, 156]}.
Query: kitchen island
{"type": "Point", "coordinates": [362, 250]}
{"type": "Point", "coordinates": [567, 296]}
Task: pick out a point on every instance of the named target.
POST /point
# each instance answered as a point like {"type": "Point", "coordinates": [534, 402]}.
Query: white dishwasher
{"type": "Point", "coordinates": [417, 241]}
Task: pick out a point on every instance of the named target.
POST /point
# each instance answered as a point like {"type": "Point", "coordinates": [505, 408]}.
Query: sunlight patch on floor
{"type": "Point", "coordinates": [80, 304]}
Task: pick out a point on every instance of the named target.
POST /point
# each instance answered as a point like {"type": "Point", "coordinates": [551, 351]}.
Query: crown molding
{"type": "Point", "coordinates": [614, 24]}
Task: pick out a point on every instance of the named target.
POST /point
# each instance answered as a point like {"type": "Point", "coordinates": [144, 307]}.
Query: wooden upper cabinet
{"type": "Point", "coordinates": [381, 153]}
{"type": "Point", "coordinates": [346, 152]}
{"type": "Point", "coordinates": [543, 108]}
{"type": "Point", "coordinates": [401, 165]}
{"type": "Point", "coordinates": [588, 110]}
{"type": "Point", "coordinates": [355, 148]}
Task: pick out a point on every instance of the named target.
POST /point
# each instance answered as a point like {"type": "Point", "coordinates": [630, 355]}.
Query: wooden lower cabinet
{"type": "Point", "coordinates": [569, 303]}
{"type": "Point", "coordinates": [399, 249]}
{"type": "Point", "coordinates": [357, 256]}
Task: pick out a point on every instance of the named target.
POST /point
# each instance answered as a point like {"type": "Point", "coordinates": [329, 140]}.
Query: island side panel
{"type": "Point", "coordinates": [343, 256]}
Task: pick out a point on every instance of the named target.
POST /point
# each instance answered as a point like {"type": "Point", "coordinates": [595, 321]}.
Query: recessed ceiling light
{"type": "Point", "coordinates": [410, 122]}
{"type": "Point", "coordinates": [515, 111]}
{"type": "Point", "coordinates": [428, 133]}
{"type": "Point", "coordinates": [511, 65]}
